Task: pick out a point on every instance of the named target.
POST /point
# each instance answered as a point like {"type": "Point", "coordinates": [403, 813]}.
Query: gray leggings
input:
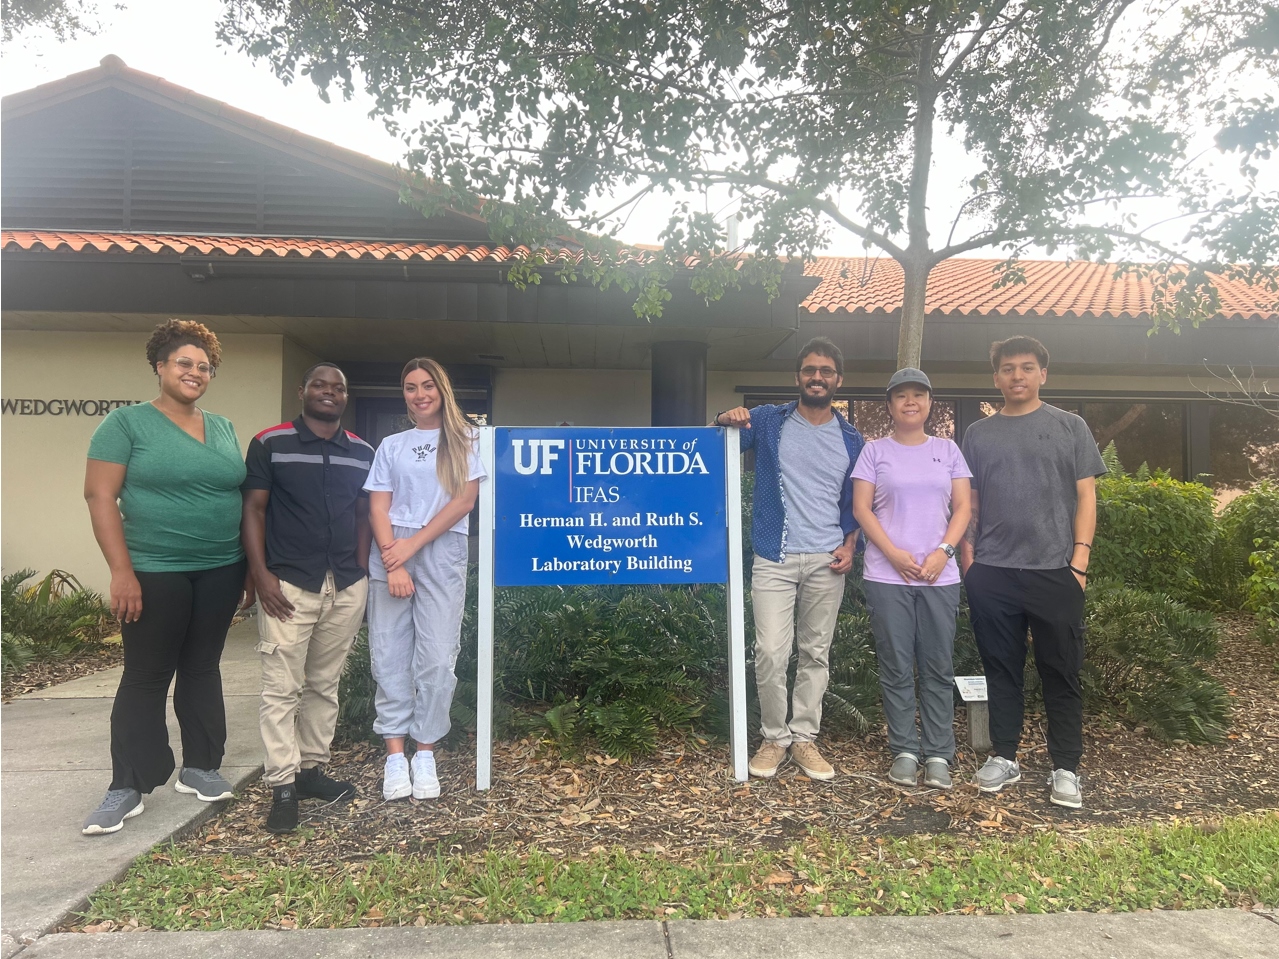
{"type": "Point", "coordinates": [914, 628]}
{"type": "Point", "coordinates": [414, 642]}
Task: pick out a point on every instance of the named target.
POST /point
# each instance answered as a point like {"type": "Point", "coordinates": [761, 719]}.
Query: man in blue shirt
{"type": "Point", "coordinates": [803, 534]}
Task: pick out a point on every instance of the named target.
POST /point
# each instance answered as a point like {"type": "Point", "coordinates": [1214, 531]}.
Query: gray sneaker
{"type": "Point", "coordinates": [997, 773]}
{"type": "Point", "coordinates": [905, 769]}
{"type": "Point", "coordinates": [937, 773]}
{"type": "Point", "coordinates": [119, 805]}
{"type": "Point", "coordinates": [1065, 789]}
{"type": "Point", "coordinates": [207, 784]}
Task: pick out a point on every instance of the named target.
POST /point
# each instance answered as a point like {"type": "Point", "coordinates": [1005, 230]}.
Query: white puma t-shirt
{"type": "Point", "coordinates": [404, 466]}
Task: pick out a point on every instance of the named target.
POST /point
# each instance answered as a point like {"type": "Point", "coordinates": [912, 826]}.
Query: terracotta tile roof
{"type": "Point", "coordinates": [965, 287]}
{"type": "Point", "coordinates": [850, 285]}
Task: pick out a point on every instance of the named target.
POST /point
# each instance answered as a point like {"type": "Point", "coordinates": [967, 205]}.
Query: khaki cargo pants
{"type": "Point", "coordinates": [302, 661]}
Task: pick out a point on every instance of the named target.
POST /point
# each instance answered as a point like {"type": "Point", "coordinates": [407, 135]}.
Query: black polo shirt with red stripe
{"type": "Point", "coordinates": [310, 517]}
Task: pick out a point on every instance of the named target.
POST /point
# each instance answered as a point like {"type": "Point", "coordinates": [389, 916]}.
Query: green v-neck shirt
{"type": "Point", "coordinates": [181, 498]}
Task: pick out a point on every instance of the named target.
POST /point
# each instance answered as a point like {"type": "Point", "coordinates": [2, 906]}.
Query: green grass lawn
{"type": "Point", "coordinates": [1234, 862]}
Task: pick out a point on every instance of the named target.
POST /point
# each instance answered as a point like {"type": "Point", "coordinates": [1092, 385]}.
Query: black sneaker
{"type": "Point", "coordinates": [313, 784]}
{"type": "Point", "coordinates": [284, 809]}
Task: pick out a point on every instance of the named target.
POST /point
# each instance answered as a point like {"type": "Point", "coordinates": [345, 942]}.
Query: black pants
{"type": "Point", "coordinates": [1003, 603]}
{"type": "Point", "coordinates": [185, 617]}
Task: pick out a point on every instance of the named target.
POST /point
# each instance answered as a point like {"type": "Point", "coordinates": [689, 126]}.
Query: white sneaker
{"type": "Point", "coordinates": [395, 778]}
{"type": "Point", "coordinates": [426, 785]}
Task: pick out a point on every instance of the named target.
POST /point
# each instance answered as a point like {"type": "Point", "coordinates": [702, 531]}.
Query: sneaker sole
{"type": "Point", "coordinates": [934, 784]}
{"type": "Point", "coordinates": [812, 774]}
{"type": "Point", "coordinates": [182, 787]}
{"type": "Point", "coordinates": [995, 789]}
{"type": "Point", "coordinates": [96, 830]}
{"type": "Point", "coordinates": [1066, 802]}
{"type": "Point", "coordinates": [398, 794]}
{"type": "Point", "coordinates": [765, 773]}
{"type": "Point", "coordinates": [430, 792]}
{"type": "Point", "coordinates": [914, 781]}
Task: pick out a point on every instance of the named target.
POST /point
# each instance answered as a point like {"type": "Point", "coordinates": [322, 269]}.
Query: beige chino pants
{"type": "Point", "coordinates": [796, 604]}
{"type": "Point", "coordinates": [302, 661]}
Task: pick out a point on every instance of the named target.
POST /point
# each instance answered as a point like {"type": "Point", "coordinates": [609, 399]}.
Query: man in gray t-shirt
{"type": "Point", "coordinates": [1025, 562]}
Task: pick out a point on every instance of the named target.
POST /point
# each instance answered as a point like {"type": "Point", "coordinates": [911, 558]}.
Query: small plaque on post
{"type": "Point", "coordinates": [972, 689]}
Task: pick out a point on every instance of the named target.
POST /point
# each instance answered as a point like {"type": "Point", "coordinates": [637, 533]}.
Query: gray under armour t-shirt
{"type": "Point", "coordinates": [1024, 473]}
{"type": "Point", "coordinates": [814, 464]}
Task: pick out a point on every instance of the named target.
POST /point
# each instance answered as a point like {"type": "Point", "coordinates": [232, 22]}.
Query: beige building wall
{"type": "Point", "coordinates": [579, 397]}
{"type": "Point", "coordinates": [296, 360]}
{"type": "Point", "coordinates": [45, 524]}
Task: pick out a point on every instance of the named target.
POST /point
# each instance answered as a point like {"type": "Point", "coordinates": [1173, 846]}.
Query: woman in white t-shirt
{"type": "Point", "coordinates": [422, 488]}
{"type": "Point", "coordinates": [911, 496]}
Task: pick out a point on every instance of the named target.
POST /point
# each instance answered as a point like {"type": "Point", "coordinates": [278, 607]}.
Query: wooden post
{"type": "Point", "coordinates": [978, 727]}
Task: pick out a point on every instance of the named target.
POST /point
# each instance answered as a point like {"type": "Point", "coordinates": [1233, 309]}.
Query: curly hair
{"type": "Point", "coordinates": [172, 334]}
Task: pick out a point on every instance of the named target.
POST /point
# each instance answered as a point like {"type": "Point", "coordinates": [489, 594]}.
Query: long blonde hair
{"type": "Point", "coordinates": [452, 463]}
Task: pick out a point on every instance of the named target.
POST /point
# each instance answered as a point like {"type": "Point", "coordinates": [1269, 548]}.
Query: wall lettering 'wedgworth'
{"type": "Point", "coordinates": [600, 505]}
{"type": "Point", "coordinates": [34, 407]}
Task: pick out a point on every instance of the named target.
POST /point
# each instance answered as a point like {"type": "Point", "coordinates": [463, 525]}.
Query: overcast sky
{"type": "Point", "coordinates": [177, 41]}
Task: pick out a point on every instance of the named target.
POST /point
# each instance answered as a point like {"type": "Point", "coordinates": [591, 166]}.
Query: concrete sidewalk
{"type": "Point", "coordinates": [56, 766]}
{"type": "Point", "coordinates": [1221, 934]}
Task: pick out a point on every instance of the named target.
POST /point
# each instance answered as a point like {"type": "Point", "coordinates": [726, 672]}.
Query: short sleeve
{"type": "Point", "coordinates": [257, 465]}
{"type": "Point", "coordinates": [112, 441]}
{"type": "Point", "coordinates": [958, 465]}
{"type": "Point", "coordinates": [475, 466]}
{"type": "Point", "coordinates": [379, 478]}
{"type": "Point", "coordinates": [866, 464]}
{"type": "Point", "coordinates": [969, 451]}
{"type": "Point", "coordinates": [1088, 460]}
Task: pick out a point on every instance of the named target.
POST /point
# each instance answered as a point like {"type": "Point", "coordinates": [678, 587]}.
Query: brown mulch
{"type": "Point", "coordinates": [36, 676]}
{"type": "Point", "coordinates": [684, 800]}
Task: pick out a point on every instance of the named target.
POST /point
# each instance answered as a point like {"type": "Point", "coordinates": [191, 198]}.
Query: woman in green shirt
{"type": "Point", "coordinates": [163, 487]}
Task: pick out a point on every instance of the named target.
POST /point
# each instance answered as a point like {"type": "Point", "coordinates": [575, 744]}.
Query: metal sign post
{"type": "Point", "coordinates": [598, 505]}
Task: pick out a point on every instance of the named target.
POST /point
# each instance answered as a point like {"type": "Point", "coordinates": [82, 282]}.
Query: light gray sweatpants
{"type": "Point", "coordinates": [914, 629]}
{"type": "Point", "coordinates": [414, 642]}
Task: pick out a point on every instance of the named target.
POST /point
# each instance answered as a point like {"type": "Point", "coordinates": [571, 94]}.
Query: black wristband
{"type": "Point", "coordinates": [718, 415]}
{"type": "Point", "coordinates": [1078, 572]}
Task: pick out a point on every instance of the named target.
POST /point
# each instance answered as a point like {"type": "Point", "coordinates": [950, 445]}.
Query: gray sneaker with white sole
{"type": "Point", "coordinates": [905, 770]}
{"type": "Point", "coordinates": [208, 785]}
{"type": "Point", "coordinates": [1065, 789]}
{"type": "Point", "coordinates": [997, 773]}
{"type": "Point", "coordinates": [119, 805]}
{"type": "Point", "coordinates": [937, 773]}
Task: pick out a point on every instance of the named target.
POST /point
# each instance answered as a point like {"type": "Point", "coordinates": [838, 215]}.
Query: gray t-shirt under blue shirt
{"type": "Point", "coordinates": [1024, 474]}
{"type": "Point", "coordinates": [814, 464]}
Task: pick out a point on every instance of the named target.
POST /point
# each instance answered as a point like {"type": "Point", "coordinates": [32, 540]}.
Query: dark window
{"type": "Point", "coordinates": [1150, 433]}
{"type": "Point", "coordinates": [1245, 444]}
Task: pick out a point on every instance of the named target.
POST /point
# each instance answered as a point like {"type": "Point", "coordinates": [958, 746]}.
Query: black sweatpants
{"type": "Point", "coordinates": [1003, 603]}
{"type": "Point", "coordinates": [183, 627]}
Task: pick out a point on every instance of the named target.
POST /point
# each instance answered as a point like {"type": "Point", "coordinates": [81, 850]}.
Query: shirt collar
{"type": "Point", "coordinates": [307, 436]}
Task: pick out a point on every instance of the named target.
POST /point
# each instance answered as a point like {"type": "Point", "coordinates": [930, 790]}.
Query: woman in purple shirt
{"type": "Point", "coordinates": [912, 498]}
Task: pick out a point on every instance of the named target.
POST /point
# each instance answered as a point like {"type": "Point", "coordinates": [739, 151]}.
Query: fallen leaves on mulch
{"type": "Point", "coordinates": [35, 676]}
{"type": "Point", "coordinates": [684, 800]}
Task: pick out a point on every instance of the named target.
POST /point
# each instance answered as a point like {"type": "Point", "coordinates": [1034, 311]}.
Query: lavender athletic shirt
{"type": "Point", "coordinates": [912, 501]}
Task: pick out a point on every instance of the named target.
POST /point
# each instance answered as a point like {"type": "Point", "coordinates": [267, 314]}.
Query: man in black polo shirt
{"type": "Point", "coordinates": [306, 534]}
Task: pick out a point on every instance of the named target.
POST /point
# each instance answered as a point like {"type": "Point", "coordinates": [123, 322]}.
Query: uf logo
{"type": "Point", "coordinates": [537, 449]}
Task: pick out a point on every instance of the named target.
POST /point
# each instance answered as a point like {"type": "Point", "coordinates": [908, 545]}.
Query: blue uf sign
{"type": "Point", "coordinates": [577, 506]}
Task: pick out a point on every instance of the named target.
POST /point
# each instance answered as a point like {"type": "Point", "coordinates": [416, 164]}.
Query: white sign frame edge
{"type": "Point", "coordinates": [736, 611]}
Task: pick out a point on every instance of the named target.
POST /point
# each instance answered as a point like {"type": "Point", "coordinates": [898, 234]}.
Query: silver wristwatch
{"type": "Point", "coordinates": [947, 549]}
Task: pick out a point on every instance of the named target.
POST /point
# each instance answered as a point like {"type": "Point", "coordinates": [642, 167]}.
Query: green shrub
{"type": "Point", "coordinates": [1143, 660]}
{"type": "Point", "coordinates": [1250, 536]}
{"type": "Point", "coordinates": [51, 619]}
{"type": "Point", "coordinates": [1153, 532]}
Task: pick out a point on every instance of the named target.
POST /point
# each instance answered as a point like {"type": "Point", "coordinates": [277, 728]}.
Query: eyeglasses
{"type": "Point", "coordinates": [826, 371]}
{"type": "Point", "coordinates": [186, 365]}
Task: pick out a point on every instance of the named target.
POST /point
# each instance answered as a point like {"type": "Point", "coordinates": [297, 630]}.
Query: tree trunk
{"type": "Point", "coordinates": [910, 340]}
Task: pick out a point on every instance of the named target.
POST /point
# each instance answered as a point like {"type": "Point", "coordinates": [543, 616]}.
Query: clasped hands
{"type": "Point", "coordinates": [394, 555]}
{"type": "Point", "coordinates": [908, 569]}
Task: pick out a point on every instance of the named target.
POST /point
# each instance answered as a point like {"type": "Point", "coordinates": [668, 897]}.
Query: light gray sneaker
{"type": "Point", "coordinates": [904, 770]}
{"type": "Point", "coordinates": [206, 784]}
{"type": "Point", "coordinates": [119, 805]}
{"type": "Point", "coordinates": [997, 773]}
{"type": "Point", "coordinates": [937, 773]}
{"type": "Point", "coordinates": [1065, 789]}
